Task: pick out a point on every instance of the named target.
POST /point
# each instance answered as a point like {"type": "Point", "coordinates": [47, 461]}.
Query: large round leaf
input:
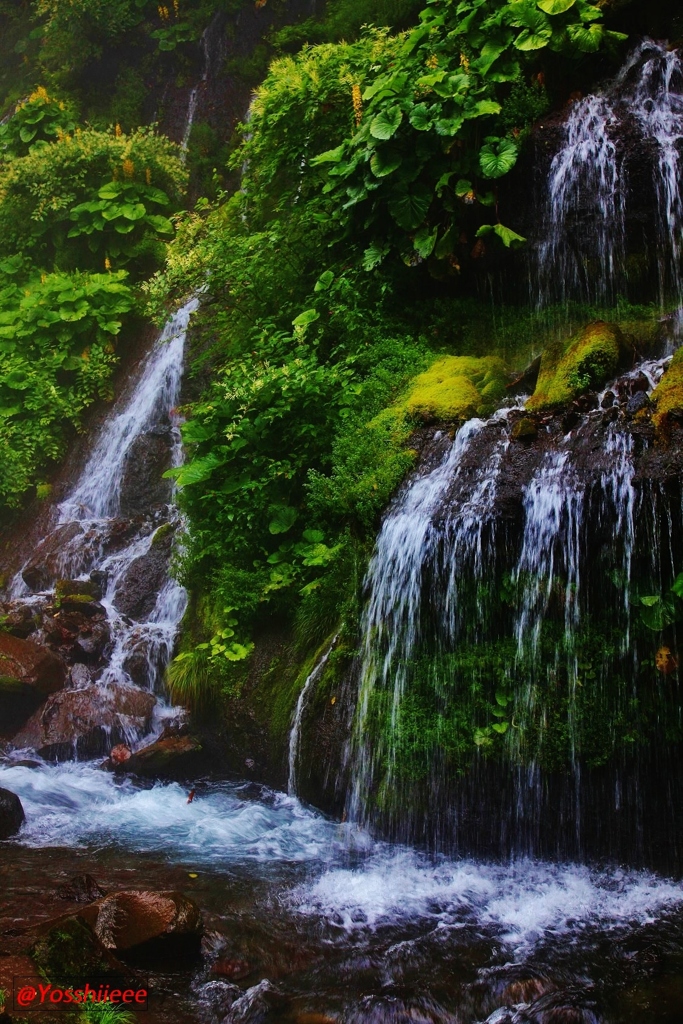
{"type": "Point", "coordinates": [384, 162]}
{"type": "Point", "coordinates": [385, 124]}
{"type": "Point", "coordinates": [555, 6]}
{"type": "Point", "coordinates": [409, 208]}
{"type": "Point", "coordinates": [497, 157]}
{"type": "Point", "coordinates": [586, 37]}
{"type": "Point", "coordinates": [420, 117]}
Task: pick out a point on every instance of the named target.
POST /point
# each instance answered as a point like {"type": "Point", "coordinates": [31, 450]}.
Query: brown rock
{"type": "Point", "coordinates": [120, 754]}
{"type": "Point", "coordinates": [45, 566]}
{"type": "Point", "coordinates": [86, 722]}
{"type": "Point", "coordinates": [170, 756]}
{"type": "Point", "coordinates": [28, 674]}
{"type": "Point", "coordinates": [233, 969]}
{"type": "Point", "coordinates": [31, 665]}
{"type": "Point", "coordinates": [81, 889]}
{"type": "Point", "coordinates": [125, 920]}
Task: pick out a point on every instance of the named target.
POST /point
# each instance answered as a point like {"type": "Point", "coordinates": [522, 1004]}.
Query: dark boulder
{"type": "Point", "coordinates": [67, 948]}
{"type": "Point", "coordinates": [68, 590]}
{"type": "Point", "coordinates": [87, 722]}
{"type": "Point", "coordinates": [143, 485]}
{"type": "Point", "coordinates": [12, 815]}
{"type": "Point", "coordinates": [20, 619]}
{"type": "Point", "coordinates": [137, 591]}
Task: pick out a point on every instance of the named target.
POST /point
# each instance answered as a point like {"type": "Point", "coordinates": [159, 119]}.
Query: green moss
{"type": "Point", "coordinates": [457, 388]}
{"type": "Point", "coordinates": [587, 360]}
{"type": "Point", "coordinates": [68, 950]}
{"type": "Point", "coordinates": [162, 532]}
{"type": "Point", "coordinates": [668, 395]}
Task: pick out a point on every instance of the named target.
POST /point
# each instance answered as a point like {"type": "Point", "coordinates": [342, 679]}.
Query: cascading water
{"type": "Point", "coordinates": [295, 730]}
{"type": "Point", "coordinates": [583, 250]}
{"type": "Point", "coordinates": [91, 539]}
{"type": "Point", "coordinates": [500, 615]}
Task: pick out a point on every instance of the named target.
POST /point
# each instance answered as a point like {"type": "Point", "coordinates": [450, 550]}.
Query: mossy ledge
{"type": "Point", "coordinates": [667, 397]}
{"type": "Point", "coordinates": [587, 360]}
{"type": "Point", "coordinates": [457, 388]}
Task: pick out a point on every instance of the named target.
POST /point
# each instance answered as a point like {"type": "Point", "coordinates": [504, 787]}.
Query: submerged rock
{"type": "Point", "coordinates": [87, 722]}
{"type": "Point", "coordinates": [12, 815]}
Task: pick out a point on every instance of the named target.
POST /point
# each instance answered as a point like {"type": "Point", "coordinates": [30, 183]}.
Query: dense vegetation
{"type": "Point", "coordinates": [343, 252]}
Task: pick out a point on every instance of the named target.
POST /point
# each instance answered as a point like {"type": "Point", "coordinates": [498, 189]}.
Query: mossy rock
{"type": "Point", "coordinates": [667, 397]}
{"type": "Point", "coordinates": [525, 430]}
{"type": "Point", "coordinates": [588, 360]}
{"type": "Point", "coordinates": [164, 531]}
{"type": "Point", "coordinates": [457, 388]}
{"type": "Point", "coordinates": [69, 949]}
{"type": "Point", "coordinates": [77, 591]}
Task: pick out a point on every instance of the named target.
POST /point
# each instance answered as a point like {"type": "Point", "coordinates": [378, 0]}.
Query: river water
{"type": "Point", "coordinates": [333, 925]}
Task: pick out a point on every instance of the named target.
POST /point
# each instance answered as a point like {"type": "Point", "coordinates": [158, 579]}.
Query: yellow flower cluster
{"type": "Point", "coordinates": [176, 8]}
{"type": "Point", "coordinates": [432, 61]}
{"type": "Point", "coordinates": [465, 61]}
{"type": "Point", "coordinates": [164, 13]}
{"type": "Point", "coordinates": [357, 104]}
{"type": "Point", "coordinates": [128, 168]}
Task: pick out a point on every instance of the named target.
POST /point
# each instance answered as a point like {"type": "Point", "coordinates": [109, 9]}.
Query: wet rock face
{"type": "Point", "coordinates": [28, 674]}
{"type": "Point", "coordinates": [46, 564]}
{"type": "Point", "coordinates": [169, 757]}
{"type": "Point", "coordinates": [81, 889]}
{"type": "Point", "coordinates": [143, 485]}
{"type": "Point", "coordinates": [87, 722]}
{"type": "Point", "coordinates": [12, 815]}
{"type": "Point", "coordinates": [137, 591]}
{"type": "Point", "coordinates": [125, 920]}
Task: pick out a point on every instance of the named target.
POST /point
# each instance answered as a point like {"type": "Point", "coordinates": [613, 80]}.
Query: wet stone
{"type": "Point", "coordinates": [12, 814]}
{"type": "Point", "coordinates": [637, 403]}
{"type": "Point", "coordinates": [81, 889]}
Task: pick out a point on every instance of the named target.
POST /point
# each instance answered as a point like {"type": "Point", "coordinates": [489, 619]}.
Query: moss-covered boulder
{"type": "Point", "coordinates": [587, 360]}
{"type": "Point", "coordinates": [457, 388]}
{"type": "Point", "coordinates": [667, 397]}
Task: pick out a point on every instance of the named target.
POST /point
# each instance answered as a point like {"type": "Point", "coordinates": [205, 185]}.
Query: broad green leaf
{"type": "Point", "coordinates": [383, 162]}
{"type": "Point", "coordinates": [449, 126]}
{"type": "Point", "coordinates": [650, 601]}
{"type": "Point", "coordinates": [112, 190]}
{"type": "Point", "coordinates": [444, 247]}
{"type": "Point", "coordinates": [677, 586]}
{"type": "Point", "coordinates": [385, 124]}
{"type": "Point", "coordinates": [194, 472]}
{"type": "Point", "coordinates": [420, 117]}
{"type": "Point", "coordinates": [161, 224]}
{"type": "Point", "coordinates": [409, 208]}
{"type": "Point", "coordinates": [283, 519]}
{"type": "Point", "coordinates": [424, 242]}
{"type": "Point", "coordinates": [374, 254]}
{"type": "Point", "coordinates": [497, 157]}
{"type": "Point", "coordinates": [507, 236]}
{"type": "Point", "coordinates": [500, 727]}
{"type": "Point", "coordinates": [133, 211]}
{"type": "Point", "coordinates": [308, 316]}
{"type": "Point", "coordinates": [483, 108]}
{"type": "Point", "coordinates": [555, 6]}
{"type": "Point", "coordinates": [324, 281]}
{"type": "Point", "coordinates": [586, 38]}
{"type": "Point", "coordinates": [313, 536]}
{"type": "Point", "coordinates": [330, 156]}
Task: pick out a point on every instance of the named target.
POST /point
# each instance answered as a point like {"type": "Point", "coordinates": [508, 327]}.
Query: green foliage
{"type": "Point", "coordinates": [119, 218]}
{"type": "Point", "coordinates": [106, 1013]}
{"type": "Point", "coordinates": [56, 357]}
{"type": "Point", "coordinates": [40, 118]}
{"type": "Point", "coordinates": [397, 173]}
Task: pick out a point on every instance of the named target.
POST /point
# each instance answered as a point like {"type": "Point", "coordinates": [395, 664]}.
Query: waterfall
{"type": "Point", "coordinates": [500, 602]}
{"type": "Point", "coordinates": [196, 89]}
{"type": "Point", "coordinates": [295, 730]}
{"type": "Point", "coordinates": [585, 184]}
{"type": "Point", "coordinates": [435, 529]}
{"type": "Point", "coordinates": [582, 254]}
{"type": "Point", "coordinates": [94, 540]}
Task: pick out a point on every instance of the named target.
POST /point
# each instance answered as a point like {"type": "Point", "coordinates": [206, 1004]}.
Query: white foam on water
{"type": "Point", "coordinates": [520, 903]}
{"type": "Point", "coordinates": [76, 804]}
